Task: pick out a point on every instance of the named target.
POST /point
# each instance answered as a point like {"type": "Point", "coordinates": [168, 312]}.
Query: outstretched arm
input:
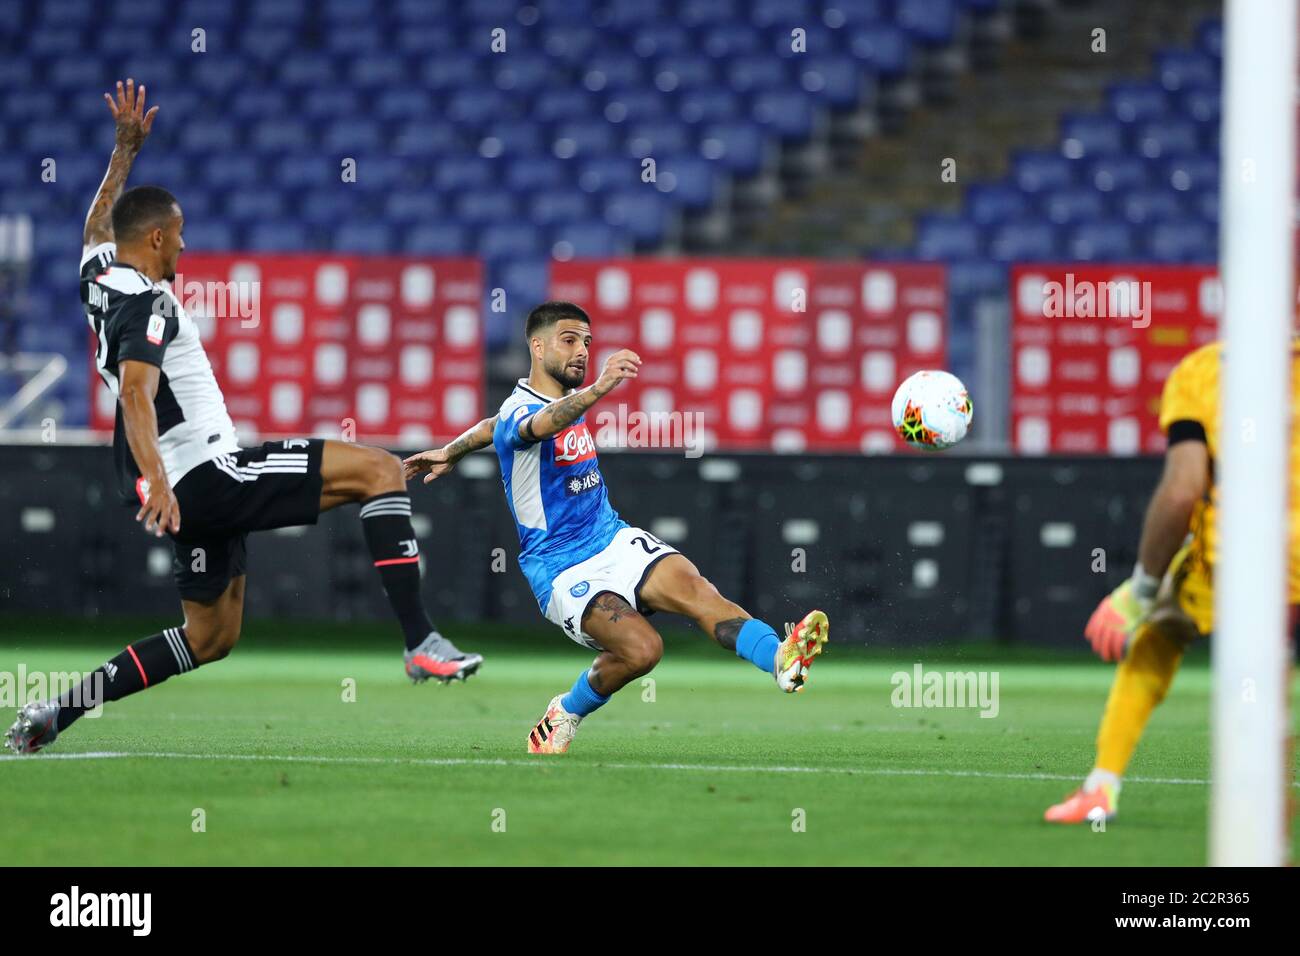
{"type": "Point", "coordinates": [549, 420]}
{"type": "Point", "coordinates": [437, 462]}
{"type": "Point", "coordinates": [133, 125]}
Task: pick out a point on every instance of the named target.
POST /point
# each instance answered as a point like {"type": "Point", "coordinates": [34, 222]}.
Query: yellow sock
{"type": "Point", "coordinates": [1141, 681]}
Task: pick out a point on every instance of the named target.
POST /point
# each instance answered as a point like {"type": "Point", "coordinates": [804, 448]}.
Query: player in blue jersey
{"type": "Point", "coordinates": [593, 574]}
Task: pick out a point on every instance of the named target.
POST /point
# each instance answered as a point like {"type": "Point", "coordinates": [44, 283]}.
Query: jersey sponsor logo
{"type": "Point", "coordinates": [581, 588]}
{"type": "Point", "coordinates": [581, 484]}
{"type": "Point", "coordinates": [573, 445]}
{"type": "Point", "coordinates": [154, 333]}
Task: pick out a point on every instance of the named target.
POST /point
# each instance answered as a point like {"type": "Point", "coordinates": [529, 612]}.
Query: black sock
{"type": "Point", "coordinates": [143, 664]}
{"type": "Point", "coordinates": [386, 520]}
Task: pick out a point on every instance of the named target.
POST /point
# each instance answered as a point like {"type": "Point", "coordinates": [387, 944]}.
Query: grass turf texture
{"type": "Point", "coordinates": [711, 772]}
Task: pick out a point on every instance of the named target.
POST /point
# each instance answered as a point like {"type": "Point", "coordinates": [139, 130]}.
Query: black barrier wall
{"type": "Point", "coordinates": [899, 551]}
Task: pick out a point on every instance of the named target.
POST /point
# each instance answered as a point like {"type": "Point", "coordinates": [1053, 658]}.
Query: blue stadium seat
{"type": "Point", "coordinates": [509, 241]}
{"type": "Point", "coordinates": [709, 106]}
{"type": "Point", "coordinates": [456, 172]}
{"type": "Point", "coordinates": [529, 174]}
{"type": "Point", "coordinates": [524, 73]}
{"type": "Point", "coordinates": [684, 72]}
{"type": "Point", "coordinates": [592, 239]}
{"type": "Point", "coordinates": [786, 113]}
{"type": "Point", "coordinates": [1155, 204]}
{"type": "Point", "coordinates": [1192, 173]}
{"type": "Point", "coordinates": [253, 203]}
{"type": "Point", "coordinates": [932, 23]}
{"type": "Point", "coordinates": [1091, 136]}
{"type": "Point", "coordinates": [1118, 173]}
{"type": "Point", "coordinates": [583, 138]}
{"type": "Point", "coordinates": [328, 207]}
{"type": "Point", "coordinates": [942, 237]}
{"type": "Point", "coordinates": [657, 139]}
{"type": "Point", "coordinates": [1205, 106]}
{"type": "Point", "coordinates": [1037, 172]}
{"type": "Point", "coordinates": [725, 40]}
{"type": "Point", "coordinates": [660, 40]}
{"type": "Point", "coordinates": [480, 207]}
{"type": "Point", "coordinates": [1100, 241]}
{"type": "Point", "coordinates": [1137, 102]}
{"type": "Point", "coordinates": [280, 134]}
{"type": "Point", "coordinates": [883, 48]}
{"type": "Point", "coordinates": [1029, 241]}
{"type": "Point", "coordinates": [643, 214]}
{"type": "Point", "coordinates": [638, 106]}
{"type": "Point", "coordinates": [436, 239]}
{"type": "Point", "coordinates": [554, 208]}
{"type": "Point", "coordinates": [371, 238]}
{"type": "Point", "coordinates": [1167, 137]}
{"type": "Point", "coordinates": [738, 147]}
{"type": "Point", "coordinates": [751, 74]}
{"type": "Point", "coordinates": [557, 105]}
{"type": "Point", "coordinates": [426, 138]}
{"type": "Point", "coordinates": [1183, 69]}
{"type": "Point", "coordinates": [403, 207]}
{"type": "Point", "coordinates": [1187, 240]}
{"type": "Point", "coordinates": [992, 203]}
{"type": "Point", "coordinates": [209, 237]}
{"type": "Point", "coordinates": [692, 182]}
{"type": "Point", "coordinates": [380, 72]}
{"type": "Point", "coordinates": [1074, 204]}
{"type": "Point", "coordinates": [307, 170]}
{"type": "Point", "coordinates": [278, 236]}
{"type": "Point", "coordinates": [834, 79]}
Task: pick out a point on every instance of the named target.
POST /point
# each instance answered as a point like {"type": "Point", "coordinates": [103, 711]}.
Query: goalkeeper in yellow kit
{"type": "Point", "coordinates": [1147, 621]}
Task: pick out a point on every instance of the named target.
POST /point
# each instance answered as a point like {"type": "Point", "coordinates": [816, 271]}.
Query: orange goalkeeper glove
{"type": "Point", "coordinates": [1118, 615]}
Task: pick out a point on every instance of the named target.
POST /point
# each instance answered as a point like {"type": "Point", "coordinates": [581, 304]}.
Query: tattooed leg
{"type": "Point", "coordinates": [632, 646]}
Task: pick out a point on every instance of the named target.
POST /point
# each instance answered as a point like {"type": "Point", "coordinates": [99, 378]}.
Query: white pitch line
{"type": "Point", "coordinates": [501, 762]}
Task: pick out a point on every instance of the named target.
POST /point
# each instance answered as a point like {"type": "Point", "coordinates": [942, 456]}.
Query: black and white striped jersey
{"type": "Point", "coordinates": [134, 318]}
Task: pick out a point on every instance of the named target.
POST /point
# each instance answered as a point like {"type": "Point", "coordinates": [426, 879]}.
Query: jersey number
{"type": "Point", "coordinates": [645, 545]}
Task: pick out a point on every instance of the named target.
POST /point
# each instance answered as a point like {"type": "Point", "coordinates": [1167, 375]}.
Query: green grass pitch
{"type": "Point", "coordinates": [718, 768]}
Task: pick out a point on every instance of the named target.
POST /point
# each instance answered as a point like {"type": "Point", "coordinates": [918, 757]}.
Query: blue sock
{"type": "Point", "coordinates": [757, 643]}
{"type": "Point", "coordinates": [583, 699]}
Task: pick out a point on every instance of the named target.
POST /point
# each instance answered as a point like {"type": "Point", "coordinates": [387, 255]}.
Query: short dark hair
{"type": "Point", "coordinates": [548, 313]}
{"type": "Point", "coordinates": [140, 209]}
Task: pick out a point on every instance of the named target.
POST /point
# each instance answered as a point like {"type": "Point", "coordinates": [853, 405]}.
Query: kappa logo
{"type": "Point", "coordinates": [579, 589]}
{"type": "Point", "coordinates": [568, 624]}
{"type": "Point", "coordinates": [574, 444]}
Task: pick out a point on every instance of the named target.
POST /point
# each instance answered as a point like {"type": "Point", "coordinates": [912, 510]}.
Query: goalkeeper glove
{"type": "Point", "coordinates": [1118, 615]}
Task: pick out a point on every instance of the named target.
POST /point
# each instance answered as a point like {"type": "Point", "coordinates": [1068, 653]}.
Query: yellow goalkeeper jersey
{"type": "Point", "coordinates": [1191, 394]}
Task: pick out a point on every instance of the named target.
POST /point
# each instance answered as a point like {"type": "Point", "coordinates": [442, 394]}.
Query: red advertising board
{"type": "Point", "coordinates": [337, 346]}
{"type": "Point", "coordinates": [1091, 347]}
{"type": "Point", "coordinates": [784, 355]}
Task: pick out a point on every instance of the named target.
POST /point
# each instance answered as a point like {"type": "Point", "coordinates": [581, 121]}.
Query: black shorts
{"type": "Point", "coordinates": [276, 485]}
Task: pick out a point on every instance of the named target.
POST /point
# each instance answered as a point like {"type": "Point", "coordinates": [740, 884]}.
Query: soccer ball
{"type": "Point", "coordinates": [932, 410]}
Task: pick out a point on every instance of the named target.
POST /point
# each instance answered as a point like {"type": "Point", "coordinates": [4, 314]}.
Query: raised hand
{"type": "Point", "coordinates": [133, 123]}
{"type": "Point", "coordinates": [621, 365]}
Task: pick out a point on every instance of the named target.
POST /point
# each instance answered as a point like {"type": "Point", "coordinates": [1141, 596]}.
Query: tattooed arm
{"type": "Point", "coordinates": [133, 125]}
{"type": "Point", "coordinates": [552, 419]}
{"type": "Point", "coordinates": [439, 461]}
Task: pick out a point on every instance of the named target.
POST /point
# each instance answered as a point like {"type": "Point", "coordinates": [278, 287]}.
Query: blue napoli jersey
{"type": "Point", "coordinates": [555, 491]}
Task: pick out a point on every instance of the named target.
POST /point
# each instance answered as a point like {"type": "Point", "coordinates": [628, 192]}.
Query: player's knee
{"type": "Point", "coordinates": [212, 644]}
{"type": "Point", "coordinates": [643, 654]}
{"type": "Point", "coordinates": [385, 470]}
